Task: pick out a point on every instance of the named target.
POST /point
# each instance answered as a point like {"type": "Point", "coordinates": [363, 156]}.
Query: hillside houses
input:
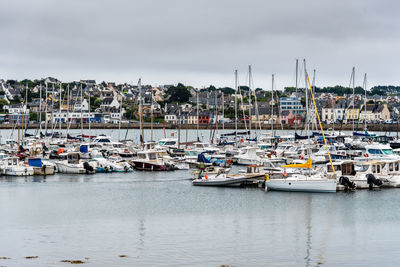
{"type": "Point", "coordinates": [109, 100]}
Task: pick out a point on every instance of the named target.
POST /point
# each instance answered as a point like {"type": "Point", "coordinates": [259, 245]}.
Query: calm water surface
{"type": "Point", "coordinates": [160, 219]}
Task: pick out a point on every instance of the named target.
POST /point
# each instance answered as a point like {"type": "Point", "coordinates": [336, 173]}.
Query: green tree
{"type": "Point", "coordinates": [3, 102]}
{"type": "Point", "coordinates": [178, 94]}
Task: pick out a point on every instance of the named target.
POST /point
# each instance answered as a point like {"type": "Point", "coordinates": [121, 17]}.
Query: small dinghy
{"type": "Point", "coordinates": [218, 180]}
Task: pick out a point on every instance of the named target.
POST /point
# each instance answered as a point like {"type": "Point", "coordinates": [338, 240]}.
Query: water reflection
{"type": "Point", "coordinates": [308, 213]}
{"type": "Point", "coordinates": [142, 233]}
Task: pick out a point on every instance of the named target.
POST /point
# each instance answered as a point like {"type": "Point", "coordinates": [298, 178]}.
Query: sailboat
{"type": "Point", "coordinates": [306, 182]}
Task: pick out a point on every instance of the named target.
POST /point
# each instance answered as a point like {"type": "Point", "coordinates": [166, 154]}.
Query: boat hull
{"type": "Point", "coordinates": [300, 185]}
{"type": "Point", "coordinates": [49, 170]}
{"type": "Point", "coordinates": [70, 169]}
{"type": "Point", "coordinates": [25, 171]}
{"type": "Point", "coordinates": [217, 182]}
{"type": "Point", "coordinates": [149, 166]}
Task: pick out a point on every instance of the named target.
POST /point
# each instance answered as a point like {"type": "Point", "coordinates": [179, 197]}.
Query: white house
{"type": "Point", "coordinates": [84, 106]}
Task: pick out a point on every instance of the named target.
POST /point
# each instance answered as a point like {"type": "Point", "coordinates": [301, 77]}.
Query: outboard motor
{"type": "Point", "coordinates": [372, 180]}
{"type": "Point", "coordinates": [88, 167]}
{"type": "Point", "coordinates": [345, 181]}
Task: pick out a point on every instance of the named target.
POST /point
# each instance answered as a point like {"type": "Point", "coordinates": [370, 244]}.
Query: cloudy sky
{"type": "Point", "coordinates": [200, 42]}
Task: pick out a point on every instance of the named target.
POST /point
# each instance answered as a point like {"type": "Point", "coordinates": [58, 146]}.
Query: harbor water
{"type": "Point", "coordinates": [160, 219]}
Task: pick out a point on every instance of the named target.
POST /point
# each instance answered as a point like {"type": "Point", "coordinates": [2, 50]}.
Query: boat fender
{"type": "Point", "coordinates": [372, 180]}
{"type": "Point", "coordinates": [345, 181]}
{"type": "Point", "coordinates": [126, 168]}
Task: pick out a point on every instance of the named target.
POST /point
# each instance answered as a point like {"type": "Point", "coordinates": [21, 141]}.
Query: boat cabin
{"type": "Point", "coordinates": [102, 139]}
{"type": "Point", "coordinates": [147, 155]}
{"type": "Point", "coordinates": [12, 161]}
{"type": "Point", "coordinates": [346, 167]}
{"type": "Point", "coordinates": [73, 158]}
{"type": "Point", "coordinates": [167, 142]}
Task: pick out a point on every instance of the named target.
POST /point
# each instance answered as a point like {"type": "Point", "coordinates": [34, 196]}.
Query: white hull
{"type": "Point", "coordinates": [17, 171]}
{"type": "Point", "coordinates": [302, 185]}
{"type": "Point", "coordinates": [70, 168]}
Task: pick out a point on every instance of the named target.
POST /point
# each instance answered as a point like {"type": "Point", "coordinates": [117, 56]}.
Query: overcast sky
{"type": "Point", "coordinates": [200, 42]}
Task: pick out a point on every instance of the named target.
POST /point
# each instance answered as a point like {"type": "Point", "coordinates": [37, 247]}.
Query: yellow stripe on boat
{"type": "Point", "coordinates": [302, 165]}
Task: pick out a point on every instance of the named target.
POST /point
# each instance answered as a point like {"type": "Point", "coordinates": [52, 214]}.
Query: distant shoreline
{"type": "Point", "coordinates": [230, 126]}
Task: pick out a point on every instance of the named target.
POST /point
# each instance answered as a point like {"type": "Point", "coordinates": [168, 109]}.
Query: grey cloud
{"type": "Point", "coordinates": [199, 42]}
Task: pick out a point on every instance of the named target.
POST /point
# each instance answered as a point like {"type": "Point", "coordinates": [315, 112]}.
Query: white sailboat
{"type": "Point", "coordinates": [305, 182]}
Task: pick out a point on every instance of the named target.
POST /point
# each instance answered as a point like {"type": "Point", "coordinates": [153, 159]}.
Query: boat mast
{"type": "Point", "coordinates": [223, 111]}
{"type": "Point", "coordinates": [81, 110]}
{"type": "Point", "coordinates": [295, 111]}
{"type": "Point", "coordinates": [179, 125]}
{"type": "Point", "coordinates": [141, 113]}
{"type": "Point", "coordinates": [151, 115]}
{"type": "Point", "coordinates": [236, 107]}
{"type": "Point", "coordinates": [365, 103]}
{"type": "Point", "coordinates": [197, 111]}
{"type": "Point", "coordinates": [59, 115]}
{"type": "Point", "coordinates": [120, 117]}
{"type": "Point", "coordinates": [307, 115]}
{"type": "Point", "coordinates": [26, 107]}
{"type": "Point", "coordinates": [314, 119]}
{"type": "Point", "coordinates": [40, 108]}
{"type": "Point", "coordinates": [216, 112]}
{"type": "Point", "coordinates": [319, 121]}
{"type": "Point", "coordinates": [45, 121]}
{"type": "Point", "coordinates": [250, 102]}
{"type": "Point", "coordinates": [52, 110]}
{"type": "Point", "coordinates": [89, 111]}
{"type": "Point", "coordinates": [272, 105]}
{"type": "Point", "coordinates": [68, 122]}
{"type": "Point", "coordinates": [353, 113]}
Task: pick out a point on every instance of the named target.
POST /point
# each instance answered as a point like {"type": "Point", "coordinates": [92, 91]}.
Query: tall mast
{"type": "Point", "coordinates": [272, 105]}
{"type": "Point", "coordinates": [307, 115]}
{"type": "Point", "coordinates": [141, 113]}
{"type": "Point", "coordinates": [216, 110]}
{"type": "Point", "coordinates": [353, 113]}
{"type": "Point", "coordinates": [26, 107]}
{"type": "Point", "coordinates": [179, 125]}
{"type": "Point", "coordinates": [151, 115]}
{"type": "Point", "coordinates": [89, 115]}
{"type": "Point", "coordinates": [68, 123]}
{"type": "Point", "coordinates": [295, 111]}
{"type": "Point", "coordinates": [40, 109]}
{"type": "Point", "coordinates": [250, 102]}
{"type": "Point", "coordinates": [59, 115]}
{"type": "Point", "coordinates": [365, 102]}
{"type": "Point", "coordinates": [120, 118]}
{"type": "Point", "coordinates": [236, 107]}
{"type": "Point", "coordinates": [81, 109]}
{"type": "Point", "coordinates": [197, 107]}
{"type": "Point", "coordinates": [223, 111]}
{"type": "Point", "coordinates": [45, 121]}
{"type": "Point", "coordinates": [52, 110]}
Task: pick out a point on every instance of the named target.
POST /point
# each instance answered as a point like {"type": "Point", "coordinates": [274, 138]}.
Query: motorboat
{"type": "Point", "coordinates": [13, 167]}
{"type": "Point", "coordinates": [150, 161]}
{"type": "Point", "coordinates": [41, 167]}
{"type": "Point", "coordinates": [218, 180]}
{"type": "Point", "coordinates": [74, 165]}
